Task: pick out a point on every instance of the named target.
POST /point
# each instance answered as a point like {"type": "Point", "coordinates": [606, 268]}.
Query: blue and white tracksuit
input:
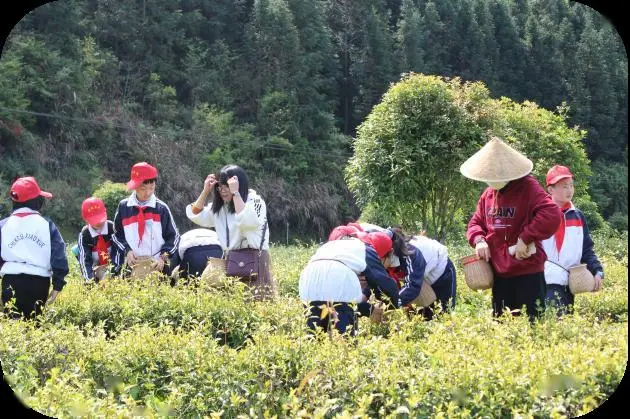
{"type": "Point", "coordinates": [428, 261]}
{"type": "Point", "coordinates": [576, 248]}
{"type": "Point", "coordinates": [160, 233]}
{"type": "Point", "coordinates": [31, 252]}
{"type": "Point", "coordinates": [87, 252]}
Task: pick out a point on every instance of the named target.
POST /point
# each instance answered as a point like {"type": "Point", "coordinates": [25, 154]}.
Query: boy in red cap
{"type": "Point", "coordinates": [96, 250]}
{"type": "Point", "coordinates": [31, 251]}
{"type": "Point", "coordinates": [570, 245]}
{"type": "Point", "coordinates": [143, 224]}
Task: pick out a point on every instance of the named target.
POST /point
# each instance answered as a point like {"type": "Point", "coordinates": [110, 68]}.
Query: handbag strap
{"type": "Point", "coordinates": [262, 238]}
{"type": "Point", "coordinates": [227, 233]}
{"type": "Point", "coordinates": [557, 264]}
{"type": "Point", "coordinates": [227, 230]}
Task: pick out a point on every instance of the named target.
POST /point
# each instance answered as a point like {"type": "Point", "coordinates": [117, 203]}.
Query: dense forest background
{"type": "Point", "coordinates": [89, 87]}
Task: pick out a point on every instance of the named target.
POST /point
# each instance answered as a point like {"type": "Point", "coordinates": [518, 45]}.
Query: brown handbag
{"type": "Point", "coordinates": [244, 263]}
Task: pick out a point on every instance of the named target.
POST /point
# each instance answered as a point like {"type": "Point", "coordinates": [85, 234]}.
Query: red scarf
{"type": "Point", "coordinates": [398, 275]}
{"type": "Point", "coordinates": [559, 234]}
{"type": "Point", "coordinates": [140, 222]}
{"type": "Point", "coordinates": [102, 250]}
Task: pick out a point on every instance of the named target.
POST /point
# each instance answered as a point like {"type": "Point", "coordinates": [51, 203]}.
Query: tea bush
{"type": "Point", "coordinates": [149, 349]}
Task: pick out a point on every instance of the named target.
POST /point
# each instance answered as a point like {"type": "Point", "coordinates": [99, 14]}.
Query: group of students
{"type": "Point", "coordinates": [530, 237]}
{"type": "Point", "coordinates": [392, 264]}
{"type": "Point", "coordinates": [546, 231]}
{"type": "Point", "coordinates": [32, 251]}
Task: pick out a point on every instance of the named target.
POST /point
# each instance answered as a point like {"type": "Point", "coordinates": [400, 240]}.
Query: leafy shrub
{"type": "Point", "coordinates": [145, 348]}
{"type": "Point", "coordinates": [111, 193]}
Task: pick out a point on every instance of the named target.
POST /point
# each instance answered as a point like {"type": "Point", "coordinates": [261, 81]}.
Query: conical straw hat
{"type": "Point", "coordinates": [496, 162]}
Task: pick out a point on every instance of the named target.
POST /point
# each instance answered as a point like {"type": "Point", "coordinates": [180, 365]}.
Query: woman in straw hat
{"type": "Point", "coordinates": [513, 211]}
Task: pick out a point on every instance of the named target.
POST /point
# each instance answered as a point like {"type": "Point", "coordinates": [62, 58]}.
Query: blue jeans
{"type": "Point", "coordinates": [560, 296]}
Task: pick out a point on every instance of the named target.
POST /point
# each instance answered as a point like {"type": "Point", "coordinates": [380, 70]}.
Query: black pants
{"type": "Point", "coordinates": [196, 258]}
{"type": "Point", "coordinates": [560, 297]}
{"type": "Point", "coordinates": [30, 292]}
{"type": "Point", "coordinates": [529, 290]}
{"type": "Point", "coordinates": [345, 317]}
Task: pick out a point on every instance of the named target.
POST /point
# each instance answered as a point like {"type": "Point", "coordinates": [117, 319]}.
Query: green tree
{"type": "Point", "coordinates": [408, 151]}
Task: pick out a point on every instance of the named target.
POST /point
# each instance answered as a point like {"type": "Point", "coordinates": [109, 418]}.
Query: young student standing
{"type": "Point", "coordinates": [96, 249]}
{"type": "Point", "coordinates": [144, 225]}
{"type": "Point", "coordinates": [31, 252]}
{"type": "Point", "coordinates": [570, 245]}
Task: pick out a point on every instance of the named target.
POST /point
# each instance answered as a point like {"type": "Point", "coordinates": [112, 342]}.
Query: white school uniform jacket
{"type": "Point", "coordinates": [31, 244]}
{"type": "Point", "coordinates": [160, 232]}
{"type": "Point", "coordinates": [332, 273]}
{"type": "Point", "coordinates": [197, 237]}
{"type": "Point", "coordinates": [577, 247]}
{"type": "Point", "coordinates": [244, 229]}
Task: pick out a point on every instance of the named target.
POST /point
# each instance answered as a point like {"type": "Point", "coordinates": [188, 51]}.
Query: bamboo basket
{"type": "Point", "coordinates": [214, 271]}
{"type": "Point", "coordinates": [142, 268]}
{"type": "Point", "coordinates": [101, 272]}
{"type": "Point", "coordinates": [477, 272]}
{"type": "Point", "coordinates": [580, 279]}
{"type": "Point", "coordinates": [377, 315]}
{"type": "Point", "coordinates": [426, 297]}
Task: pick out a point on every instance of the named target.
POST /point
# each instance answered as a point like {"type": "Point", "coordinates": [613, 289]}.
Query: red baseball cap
{"type": "Point", "coordinates": [357, 226]}
{"type": "Point", "coordinates": [93, 211]}
{"type": "Point", "coordinates": [381, 242]}
{"type": "Point", "coordinates": [557, 173]}
{"type": "Point", "coordinates": [341, 231]}
{"type": "Point", "coordinates": [26, 188]}
{"type": "Point", "coordinates": [139, 173]}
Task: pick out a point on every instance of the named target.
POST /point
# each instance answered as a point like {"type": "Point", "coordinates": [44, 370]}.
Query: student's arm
{"type": "Point", "coordinates": [253, 215]}
{"type": "Point", "coordinates": [416, 266]}
{"type": "Point", "coordinates": [58, 260]}
{"type": "Point", "coordinates": [169, 231]}
{"type": "Point", "coordinates": [119, 233]}
{"type": "Point", "coordinates": [588, 251]}
{"type": "Point", "coordinates": [377, 277]}
{"type": "Point", "coordinates": [477, 224]}
{"type": "Point", "coordinates": [546, 216]}
{"type": "Point", "coordinates": [85, 255]}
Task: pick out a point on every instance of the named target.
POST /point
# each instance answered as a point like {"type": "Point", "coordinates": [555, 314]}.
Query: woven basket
{"type": "Point", "coordinates": [426, 297]}
{"type": "Point", "coordinates": [142, 267]}
{"type": "Point", "coordinates": [477, 272]}
{"type": "Point", "coordinates": [100, 272]}
{"type": "Point", "coordinates": [377, 315]}
{"type": "Point", "coordinates": [214, 271]}
{"type": "Point", "coordinates": [580, 279]}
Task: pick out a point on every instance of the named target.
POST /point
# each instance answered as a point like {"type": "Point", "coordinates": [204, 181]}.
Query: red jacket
{"type": "Point", "coordinates": [521, 209]}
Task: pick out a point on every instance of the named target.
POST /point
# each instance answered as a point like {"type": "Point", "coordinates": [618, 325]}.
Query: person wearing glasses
{"type": "Point", "coordinates": [144, 225]}
{"type": "Point", "coordinates": [239, 216]}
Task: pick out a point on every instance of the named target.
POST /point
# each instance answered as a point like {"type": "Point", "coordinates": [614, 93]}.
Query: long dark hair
{"type": "Point", "coordinates": [35, 204]}
{"type": "Point", "coordinates": [399, 242]}
{"type": "Point", "coordinates": [243, 186]}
